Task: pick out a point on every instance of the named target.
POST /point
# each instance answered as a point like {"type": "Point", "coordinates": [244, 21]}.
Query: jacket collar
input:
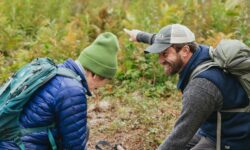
{"type": "Point", "coordinates": [200, 55]}
{"type": "Point", "coordinates": [71, 64]}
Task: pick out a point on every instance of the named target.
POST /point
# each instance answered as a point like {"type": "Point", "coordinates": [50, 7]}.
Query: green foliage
{"type": "Point", "coordinates": [61, 29]}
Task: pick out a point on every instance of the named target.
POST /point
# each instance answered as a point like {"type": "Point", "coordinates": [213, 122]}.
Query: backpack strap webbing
{"type": "Point", "coordinates": [218, 128]}
{"type": "Point", "coordinates": [21, 146]}
{"type": "Point", "coordinates": [25, 131]}
{"type": "Point", "coordinates": [218, 131]}
{"type": "Point", "coordinates": [52, 140]}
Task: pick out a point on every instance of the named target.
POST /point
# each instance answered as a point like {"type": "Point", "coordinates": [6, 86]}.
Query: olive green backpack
{"type": "Point", "coordinates": [233, 57]}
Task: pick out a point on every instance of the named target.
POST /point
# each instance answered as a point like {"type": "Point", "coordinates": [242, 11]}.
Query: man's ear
{"type": "Point", "coordinates": [186, 50]}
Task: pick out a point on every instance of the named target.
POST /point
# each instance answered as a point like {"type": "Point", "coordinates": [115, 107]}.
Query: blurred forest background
{"type": "Point", "coordinates": [139, 108]}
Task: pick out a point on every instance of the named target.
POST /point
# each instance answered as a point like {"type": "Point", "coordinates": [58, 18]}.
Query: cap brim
{"type": "Point", "coordinates": [157, 48]}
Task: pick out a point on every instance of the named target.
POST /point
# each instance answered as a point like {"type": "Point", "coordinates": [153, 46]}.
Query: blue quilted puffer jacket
{"type": "Point", "coordinates": [61, 101]}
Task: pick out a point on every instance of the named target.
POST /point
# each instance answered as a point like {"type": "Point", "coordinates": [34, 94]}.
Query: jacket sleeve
{"type": "Point", "coordinates": [71, 118]}
{"type": "Point", "coordinates": [200, 99]}
{"type": "Point", "coordinates": [145, 37]}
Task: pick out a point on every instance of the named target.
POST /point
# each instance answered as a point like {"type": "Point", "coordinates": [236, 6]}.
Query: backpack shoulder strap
{"type": "Point", "coordinates": [25, 131]}
{"type": "Point", "coordinates": [203, 66]}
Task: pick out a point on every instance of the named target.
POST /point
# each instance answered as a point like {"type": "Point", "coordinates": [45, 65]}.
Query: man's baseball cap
{"type": "Point", "coordinates": [168, 35]}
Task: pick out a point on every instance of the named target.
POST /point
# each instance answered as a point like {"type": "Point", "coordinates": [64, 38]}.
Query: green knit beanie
{"type": "Point", "coordinates": [101, 56]}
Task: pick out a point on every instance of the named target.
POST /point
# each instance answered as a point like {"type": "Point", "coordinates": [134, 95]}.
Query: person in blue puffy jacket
{"type": "Point", "coordinates": [62, 101]}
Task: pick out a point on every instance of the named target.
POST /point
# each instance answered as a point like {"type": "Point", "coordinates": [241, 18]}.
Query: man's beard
{"type": "Point", "coordinates": [175, 66]}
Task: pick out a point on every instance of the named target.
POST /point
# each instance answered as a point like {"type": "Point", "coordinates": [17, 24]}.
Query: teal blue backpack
{"type": "Point", "coordinates": [16, 92]}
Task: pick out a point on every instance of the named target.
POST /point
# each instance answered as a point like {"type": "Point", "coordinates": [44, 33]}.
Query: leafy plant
{"type": "Point", "coordinates": [148, 100]}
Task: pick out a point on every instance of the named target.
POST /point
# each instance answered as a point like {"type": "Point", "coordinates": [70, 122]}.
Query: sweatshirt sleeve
{"type": "Point", "coordinates": [71, 112]}
{"type": "Point", "coordinates": [200, 99]}
{"type": "Point", "coordinates": [145, 37]}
